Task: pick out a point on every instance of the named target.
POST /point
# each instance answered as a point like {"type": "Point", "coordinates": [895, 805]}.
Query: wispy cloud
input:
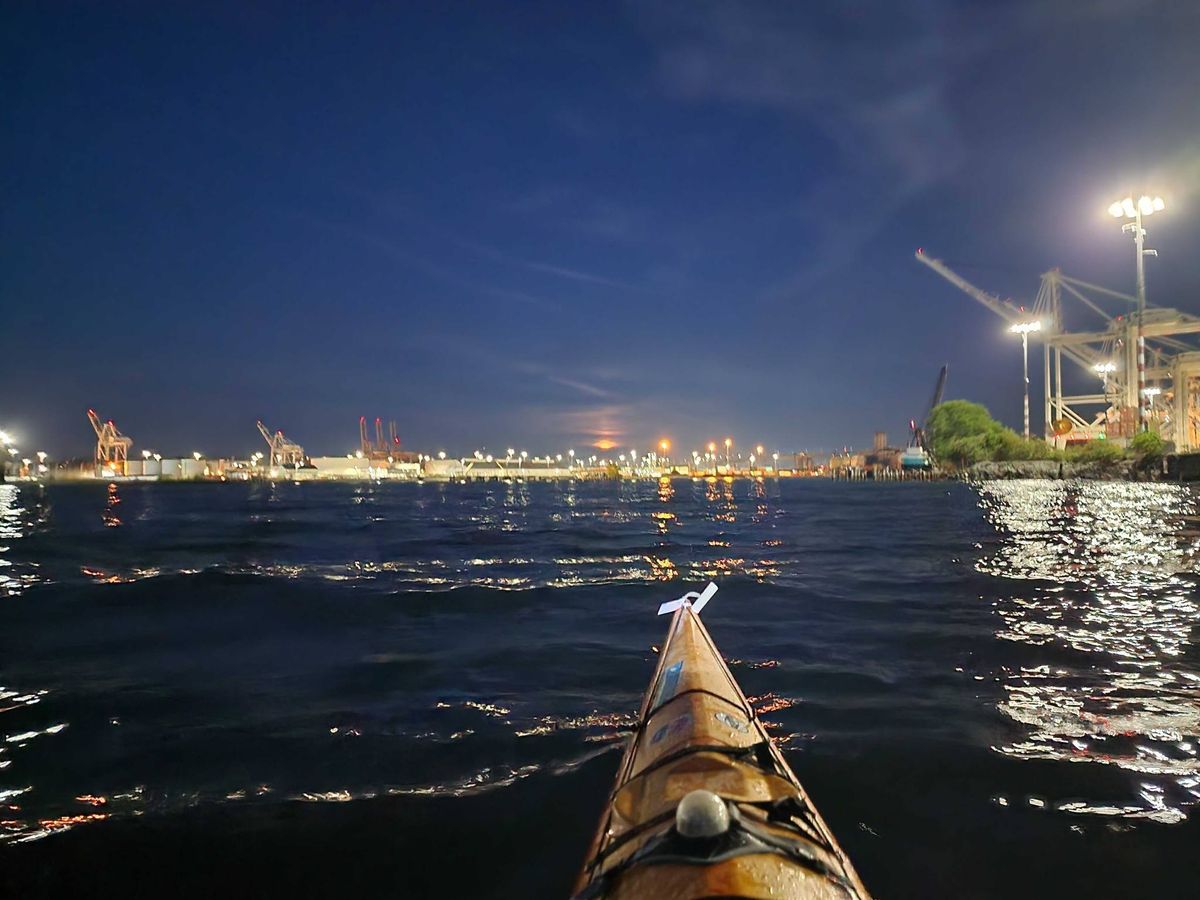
{"type": "Point", "coordinates": [869, 77]}
{"type": "Point", "coordinates": [583, 387]}
{"type": "Point", "coordinates": [495, 254]}
{"type": "Point", "coordinates": [540, 202]}
{"type": "Point", "coordinates": [406, 257]}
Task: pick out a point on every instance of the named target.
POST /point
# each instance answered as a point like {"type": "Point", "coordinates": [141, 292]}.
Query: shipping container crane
{"type": "Point", "coordinates": [1095, 353]}
{"type": "Point", "coordinates": [1109, 355]}
{"type": "Point", "coordinates": [112, 447]}
{"type": "Point", "coordinates": [284, 453]}
{"type": "Point", "coordinates": [379, 448]}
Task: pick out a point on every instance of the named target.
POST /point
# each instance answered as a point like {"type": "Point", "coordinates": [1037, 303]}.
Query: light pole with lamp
{"type": "Point", "coordinates": [1135, 210]}
{"type": "Point", "coordinates": [1104, 370]}
{"type": "Point", "coordinates": [1023, 329]}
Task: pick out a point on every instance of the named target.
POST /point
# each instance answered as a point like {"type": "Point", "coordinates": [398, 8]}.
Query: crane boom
{"type": "Point", "coordinates": [1005, 309]}
{"type": "Point", "coordinates": [938, 392]}
{"type": "Point", "coordinates": [1086, 358]}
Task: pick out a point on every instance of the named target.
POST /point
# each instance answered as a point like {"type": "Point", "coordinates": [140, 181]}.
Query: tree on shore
{"type": "Point", "coordinates": [962, 433]}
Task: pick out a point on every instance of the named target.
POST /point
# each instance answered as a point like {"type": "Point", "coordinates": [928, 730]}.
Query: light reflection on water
{"type": "Point", "coordinates": [468, 539]}
{"type": "Point", "coordinates": [445, 539]}
{"type": "Point", "coordinates": [1111, 572]}
{"type": "Point", "coordinates": [18, 519]}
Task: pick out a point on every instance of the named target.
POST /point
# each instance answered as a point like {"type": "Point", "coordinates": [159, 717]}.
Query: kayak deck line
{"type": "Point", "coordinates": [704, 803]}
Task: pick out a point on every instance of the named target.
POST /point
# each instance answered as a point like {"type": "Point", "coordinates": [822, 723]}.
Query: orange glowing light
{"type": "Point", "coordinates": [604, 444]}
{"type": "Point", "coordinates": [712, 446]}
{"type": "Point", "coordinates": [664, 445]}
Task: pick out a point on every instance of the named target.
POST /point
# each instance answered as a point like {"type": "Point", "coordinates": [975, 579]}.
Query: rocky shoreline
{"type": "Point", "coordinates": [1164, 469]}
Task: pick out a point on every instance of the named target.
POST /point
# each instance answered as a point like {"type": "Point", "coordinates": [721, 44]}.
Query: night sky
{"type": "Point", "coordinates": [539, 226]}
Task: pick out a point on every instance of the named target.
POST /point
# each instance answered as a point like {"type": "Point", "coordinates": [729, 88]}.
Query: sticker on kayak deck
{"type": "Point", "coordinates": [731, 721]}
{"type": "Point", "coordinates": [674, 729]}
{"type": "Point", "coordinates": [670, 681]}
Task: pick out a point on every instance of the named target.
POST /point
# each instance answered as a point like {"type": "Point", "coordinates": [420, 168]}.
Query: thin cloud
{"type": "Point", "coordinates": [497, 255]}
{"type": "Point", "coordinates": [583, 387]}
{"type": "Point", "coordinates": [413, 260]}
{"type": "Point", "coordinates": [835, 68]}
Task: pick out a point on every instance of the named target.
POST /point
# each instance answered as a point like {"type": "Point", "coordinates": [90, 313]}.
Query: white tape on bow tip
{"type": "Point", "coordinates": [696, 601]}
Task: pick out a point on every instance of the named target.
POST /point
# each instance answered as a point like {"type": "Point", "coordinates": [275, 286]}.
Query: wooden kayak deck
{"type": "Point", "coordinates": [697, 731]}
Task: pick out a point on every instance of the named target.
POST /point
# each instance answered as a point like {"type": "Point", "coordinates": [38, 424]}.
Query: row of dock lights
{"type": "Point", "coordinates": [630, 457]}
{"type": "Point", "coordinates": [7, 443]}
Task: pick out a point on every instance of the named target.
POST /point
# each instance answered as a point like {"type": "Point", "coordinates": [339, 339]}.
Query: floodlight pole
{"type": "Point", "coordinates": [1025, 358]}
{"type": "Point", "coordinates": [1139, 238]}
{"type": "Point", "coordinates": [1023, 329]}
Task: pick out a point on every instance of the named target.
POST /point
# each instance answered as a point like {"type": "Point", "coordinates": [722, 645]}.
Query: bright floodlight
{"type": "Point", "coordinates": [5, 437]}
{"type": "Point", "coordinates": [1025, 327]}
{"type": "Point", "coordinates": [1105, 368]}
{"type": "Point", "coordinates": [1152, 391]}
{"type": "Point", "coordinates": [1130, 208]}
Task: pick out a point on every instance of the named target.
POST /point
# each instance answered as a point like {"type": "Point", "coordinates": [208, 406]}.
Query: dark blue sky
{"type": "Point", "coordinates": [505, 224]}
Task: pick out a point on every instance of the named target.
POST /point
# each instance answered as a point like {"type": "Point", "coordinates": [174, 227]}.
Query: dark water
{"type": "Point", "coordinates": [420, 690]}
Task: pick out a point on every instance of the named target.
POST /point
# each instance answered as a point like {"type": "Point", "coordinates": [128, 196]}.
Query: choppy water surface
{"type": "Point", "coordinates": [420, 689]}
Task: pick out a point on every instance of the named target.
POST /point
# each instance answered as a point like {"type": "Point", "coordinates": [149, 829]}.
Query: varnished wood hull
{"type": "Point", "coordinates": [696, 730]}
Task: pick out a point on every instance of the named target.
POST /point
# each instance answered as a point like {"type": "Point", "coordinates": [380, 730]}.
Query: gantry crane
{"type": "Point", "coordinates": [1110, 355]}
{"type": "Point", "coordinates": [112, 447]}
{"type": "Point", "coordinates": [378, 449]}
{"type": "Point", "coordinates": [283, 452]}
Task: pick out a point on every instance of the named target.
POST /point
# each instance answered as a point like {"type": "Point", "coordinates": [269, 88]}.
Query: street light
{"type": "Point", "coordinates": [1128, 209]}
{"type": "Point", "coordinates": [728, 460]}
{"type": "Point", "coordinates": [1023, 329]}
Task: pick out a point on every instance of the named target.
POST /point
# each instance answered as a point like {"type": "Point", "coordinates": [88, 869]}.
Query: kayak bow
{"type": "Point", "coordinates": [704, 804]}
